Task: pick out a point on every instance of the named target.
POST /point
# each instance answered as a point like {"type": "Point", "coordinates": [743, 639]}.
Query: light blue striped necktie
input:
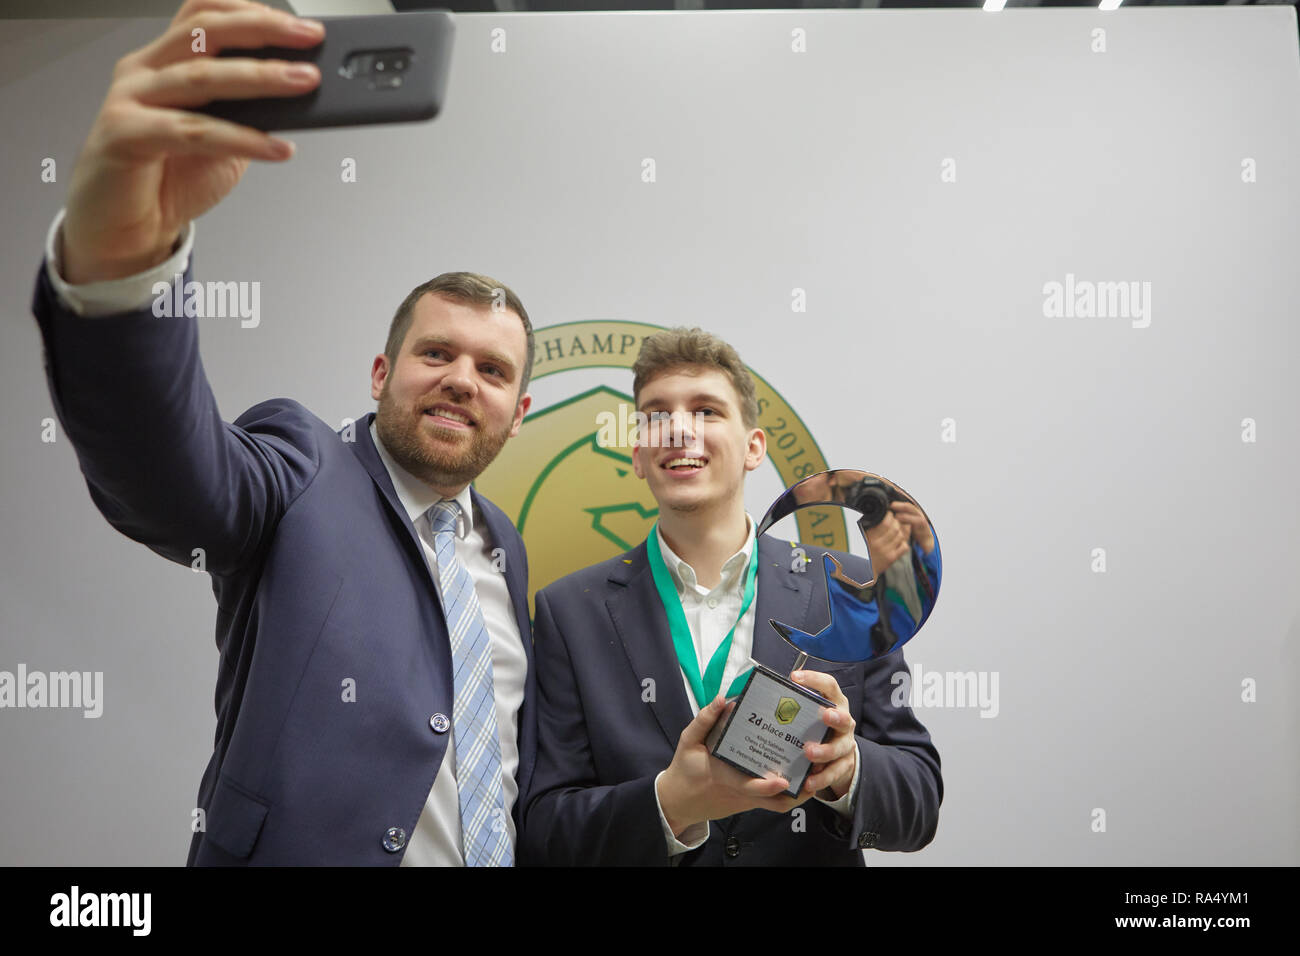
{"type": "Point", "coordinates": [474, 713]}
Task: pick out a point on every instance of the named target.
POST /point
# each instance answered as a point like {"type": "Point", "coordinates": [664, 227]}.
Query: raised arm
{"type": "Point", "coordinates": [128, 386]}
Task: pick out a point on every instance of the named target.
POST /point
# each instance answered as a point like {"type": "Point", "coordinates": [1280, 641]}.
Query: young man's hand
{"type": "Point", "coordinates": [833, 760]}
{"type": "Point", "coordinates": [697, 786]}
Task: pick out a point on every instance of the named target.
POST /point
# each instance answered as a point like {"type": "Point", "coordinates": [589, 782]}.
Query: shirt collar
{"type": "Point", "coordinates": [733, 569]}
{"type": "Point", "coordinates": [417, 497]}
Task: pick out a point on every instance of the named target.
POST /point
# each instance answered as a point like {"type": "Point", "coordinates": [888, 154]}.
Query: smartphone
{"type": "Point", "coordinates": [387, 68]}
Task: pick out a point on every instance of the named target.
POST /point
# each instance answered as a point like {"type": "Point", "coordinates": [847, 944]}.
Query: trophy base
{"type": "Point", "coordinates": [766, 729]}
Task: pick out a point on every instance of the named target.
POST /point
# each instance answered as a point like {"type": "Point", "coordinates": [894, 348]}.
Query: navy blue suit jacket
{"type": "Point", "coordinates": [319, 578]}
{"type": "Point", "coordinates": [600, 633]}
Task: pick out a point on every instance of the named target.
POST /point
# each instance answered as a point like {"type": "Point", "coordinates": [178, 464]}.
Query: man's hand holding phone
{"type": "Point", "coordinates": [149, 165]}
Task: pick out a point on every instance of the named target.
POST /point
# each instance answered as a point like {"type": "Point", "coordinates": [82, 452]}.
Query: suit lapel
{"type": "Point", "coordinates": [363, 446]}
{"type": "Point", "coordinates": [784, 595]}
{"type": "Point", "coordinates": [642, 625]}
{"type": "Point", "coordinates": [501, 531]}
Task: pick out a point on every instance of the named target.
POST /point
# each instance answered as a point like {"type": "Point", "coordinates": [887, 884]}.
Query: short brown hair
{"type": "Point", "coordinates": [678, 348]}
{"type": "Point", "coordinates": [468, 287]}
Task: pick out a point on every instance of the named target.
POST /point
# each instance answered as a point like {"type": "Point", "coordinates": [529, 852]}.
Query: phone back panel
{"type": "Point", "coordinates": [346, 96]}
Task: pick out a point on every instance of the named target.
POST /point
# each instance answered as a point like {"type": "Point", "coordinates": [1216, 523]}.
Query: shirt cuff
{"type": "Point", "coordinates": [112, 296]}
{"type": "Point", "coordinates": [693, 837]}
{"type": "Point", "coordinates": [844, 805]}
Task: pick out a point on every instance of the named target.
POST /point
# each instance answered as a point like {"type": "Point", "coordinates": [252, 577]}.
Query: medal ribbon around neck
{"type": "Point", "coordinates": [706, 688]}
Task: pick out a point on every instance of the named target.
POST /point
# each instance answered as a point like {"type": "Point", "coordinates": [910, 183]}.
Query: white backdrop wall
{"type": "Point", "coordinates": [923, 177]}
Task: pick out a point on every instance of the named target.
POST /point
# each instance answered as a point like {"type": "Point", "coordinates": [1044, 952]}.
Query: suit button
{"type": "Point", "coordinates": [867, 839]}
{"type": "Point", "coordinates": [394, 839]}
{"type": "Point", "coordinates": [732, 847]}
{"type": "Point", "coordinates": [439, 723]}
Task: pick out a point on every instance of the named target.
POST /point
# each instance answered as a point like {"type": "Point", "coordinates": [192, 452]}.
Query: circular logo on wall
{"type": "Point", "coordinates": [566, 479]}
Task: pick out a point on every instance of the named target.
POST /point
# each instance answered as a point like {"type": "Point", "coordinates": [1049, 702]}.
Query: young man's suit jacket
{"type": "Point", "coordinates": [601, 636]}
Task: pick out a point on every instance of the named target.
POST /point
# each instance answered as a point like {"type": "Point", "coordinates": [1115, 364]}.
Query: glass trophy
{"type": "Point", "coordinates": [771, 718]}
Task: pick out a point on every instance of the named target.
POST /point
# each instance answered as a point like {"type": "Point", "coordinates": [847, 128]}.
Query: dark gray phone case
{"type": "Point", "coordinates": [358, 99]}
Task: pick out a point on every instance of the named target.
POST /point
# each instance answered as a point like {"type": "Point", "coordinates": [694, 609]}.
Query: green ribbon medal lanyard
{"type": "Point", "coordinates": [707, 688]}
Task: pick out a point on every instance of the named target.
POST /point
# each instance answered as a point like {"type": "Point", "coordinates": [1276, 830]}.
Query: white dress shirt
{"type": "Point", "coordinates": [437, 836]}
{"type": "Point", "coordinates": [710, 613]}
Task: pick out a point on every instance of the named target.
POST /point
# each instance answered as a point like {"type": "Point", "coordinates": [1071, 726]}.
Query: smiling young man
{"type": "Point", "coordinates": [374, 702]}
{"type": "Point", "coordinates": [630, 684]}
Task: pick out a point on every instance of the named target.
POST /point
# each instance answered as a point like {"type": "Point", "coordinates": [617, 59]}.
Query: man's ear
{"type": "Point", "coordinates": [756, 450]}
{"type": "Point", "coordinates": [636, 461]}
{"type": "Point", "coordinates": [378, 375]}
{"type": "Point", "coordinates": [521, 409]}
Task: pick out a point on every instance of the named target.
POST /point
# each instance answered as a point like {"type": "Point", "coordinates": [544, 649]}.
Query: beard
{"type": "Point", "coordinates": [402, 432]}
